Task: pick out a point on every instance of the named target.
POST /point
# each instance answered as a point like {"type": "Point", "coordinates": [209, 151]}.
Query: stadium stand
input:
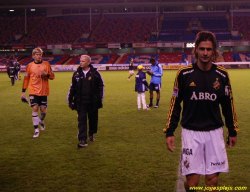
{"type": "Point", "coordinates": [185, 29]}
{"type": "Point", "coordinates": [58, 30]}
{"type": "Point", "coordinates": [126, 58]}
{"type": "Point", "coordinates": [237, 56]}
{"type": "Point", "coordinates": [175, 24]}
{"type": "Point", "coordinates": [127, 28]}
{"type": "Point", "coordinates": [215, 24]}
{"type": "Point", "coordinates": [13, 28]}
{"type": "Point", "coordinates": [53, 59]}
{"type": "Point", "coordinates": [241, 56]}
{"type": "Point", "coordinates": [144, 58]}
{"type": "Point", "coordinates": [242, 23]}
{"type": "Point", "coordinates": [69, 29]}
{"type": "Point", "coordinates": [170, 57]}
{"type": "Point", "coordinates": [5, 59]}
{"type": "Point", "coordinates": [187, 56]}
{"type": "Point", "coordinates": [95, 59]}
{"type": "Point", "coordinates": [124, 29]}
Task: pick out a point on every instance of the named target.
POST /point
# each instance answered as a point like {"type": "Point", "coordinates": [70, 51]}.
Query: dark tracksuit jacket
{"type": "Point", "coordinates": [202, 94]}
{"type": "Point", "coordinates": [87, 94]}
{"type": "Point", "coordinates": [11, 70]}
{"type": "Point", "coordinates": [141, 83]}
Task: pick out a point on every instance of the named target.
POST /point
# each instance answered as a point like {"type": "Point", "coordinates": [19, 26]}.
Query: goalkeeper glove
{"type": "Point", "coordinates": [72, 106]}
{"type": "Point", "coordinates": [25, 100]}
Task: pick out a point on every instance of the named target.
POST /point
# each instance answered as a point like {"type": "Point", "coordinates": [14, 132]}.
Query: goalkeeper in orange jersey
{"type": "Point", "coordinates": [36, 78]}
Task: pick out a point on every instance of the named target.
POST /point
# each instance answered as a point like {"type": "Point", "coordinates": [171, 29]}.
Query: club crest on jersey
{"type": "Point", "coordinates": [175, 92]}
{"type": "Point", "coordinates": [89, 78]}
{"type": "Point", "coordinates": [216, 84]}
{"type": "Point", "coordinates": [186, 163]}
{"type": "Point", "coordinates": [192, 84]}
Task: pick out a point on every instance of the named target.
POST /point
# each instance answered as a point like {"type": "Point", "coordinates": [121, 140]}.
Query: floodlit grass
{"type": "Point", "coordinates": [129, 154]}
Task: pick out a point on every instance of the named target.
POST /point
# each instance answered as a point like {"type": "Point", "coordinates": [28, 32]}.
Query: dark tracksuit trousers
{"type": "Point", "coordinates": [85, 114]}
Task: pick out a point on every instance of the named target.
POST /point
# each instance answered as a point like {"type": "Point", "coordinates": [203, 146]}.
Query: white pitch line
{"type": "Point", "coordinates": [180, 182]}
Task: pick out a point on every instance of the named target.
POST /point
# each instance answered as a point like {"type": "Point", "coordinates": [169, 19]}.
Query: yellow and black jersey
{"type": "Point", "coordinates": [37, 85]}
{"type": "Point", "coordinates": [202, 93]}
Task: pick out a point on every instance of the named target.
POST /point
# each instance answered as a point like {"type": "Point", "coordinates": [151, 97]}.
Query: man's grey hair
{"type": "Point", "coordinates": [89, 58]}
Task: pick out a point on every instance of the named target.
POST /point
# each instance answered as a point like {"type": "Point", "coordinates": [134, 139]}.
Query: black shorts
{"type": "Point", "coordinates": [155, 87]}
{"type": "Point", "coordinates": [41, 101]}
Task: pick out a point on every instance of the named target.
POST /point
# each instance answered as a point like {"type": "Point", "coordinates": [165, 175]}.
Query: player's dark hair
{"type": "Point", "coordinates": [151, 60]}
{"type": "Point", "coordinates": [206, 36]}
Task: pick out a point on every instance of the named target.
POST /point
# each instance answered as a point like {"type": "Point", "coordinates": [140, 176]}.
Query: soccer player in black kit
{"type": "Point", "coordinates": [202, 87]}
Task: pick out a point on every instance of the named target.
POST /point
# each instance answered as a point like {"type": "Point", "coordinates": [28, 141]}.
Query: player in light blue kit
{"type": "Point", "coordinates": [141, 86]}
{"type": "Point", "coordinates": [155, 83]}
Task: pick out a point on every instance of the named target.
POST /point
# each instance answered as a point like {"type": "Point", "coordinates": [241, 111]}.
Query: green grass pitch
{"type": "Point", "coordinates": [129, 154]}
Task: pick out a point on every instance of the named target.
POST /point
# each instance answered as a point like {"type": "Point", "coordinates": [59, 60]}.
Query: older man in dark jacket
{"type": "Point", "coordinates": [85, 96]}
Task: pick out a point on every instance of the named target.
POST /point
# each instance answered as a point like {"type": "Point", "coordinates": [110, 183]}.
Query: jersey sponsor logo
{"type": "Point", "coordinates": [186, 163]}
{"type": "Point", "coordinates": [218, 163]}
{"type": "Point", "coordinates": [187, 72]}
{"type": "Point", "coordinates": [203, 96]}
{"type": "Point", "coordinates": [137, 76]}
{"type": "Point", "coordinates": [220, 73]}
{"type": "Point", "coordinates": [216, 84]}
{"type": "Point", "coordinates": [38, 76]}
{"type": "Point", "coordinates": [192, 84]}
{"type": "Point", "coordinates": [187, 151]}
{"type": "Point", "coordinates": [175, 92]}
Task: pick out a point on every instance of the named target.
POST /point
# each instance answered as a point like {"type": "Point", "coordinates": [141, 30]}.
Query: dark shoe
{"type": "Point", "coordinates": [91, 138]}
{"type": "Point", "coordinates": [82, 144]}
{"type": "Point", "coordinates": [42, 126]}
{"type": "Point", "coordinates": [149, 105]}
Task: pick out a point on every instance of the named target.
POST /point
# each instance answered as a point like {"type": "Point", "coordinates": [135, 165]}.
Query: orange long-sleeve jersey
{"type": "Point", "coordinates": [38, 85]}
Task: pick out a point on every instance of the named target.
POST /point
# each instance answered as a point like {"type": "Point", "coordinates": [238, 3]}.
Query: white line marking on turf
{"type": "Point", "coordinates": [180, 182]}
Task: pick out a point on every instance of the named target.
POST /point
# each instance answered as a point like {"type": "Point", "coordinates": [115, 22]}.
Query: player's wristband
{"type": "Point", "coordinates": [23, 90]}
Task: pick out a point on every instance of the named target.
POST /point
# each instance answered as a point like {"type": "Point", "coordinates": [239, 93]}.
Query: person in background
{"type": "Point", "coordinates": [85, 96]}
{"type": "Point", "coordinates": [131, 69]}
{"type": "Point", "coordinates": [37, 77]}
{"type": "Point", "coordinates": [140, 87]}
{"type": "Point", "coordinates": [155, 82]}
{"type": "Point", "coordinates": [203, 87]}
{"type": "Point", "coordinates": [18, 68]}
{"type": "Point", "coordinates": [11, 70]}
{"type": "Point", "coordinates": [186, 62]}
